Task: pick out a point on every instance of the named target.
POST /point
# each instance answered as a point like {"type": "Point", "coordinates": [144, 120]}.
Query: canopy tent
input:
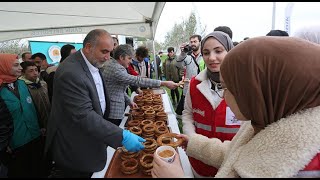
{"type": "Point", "coordinates": [36, 19]}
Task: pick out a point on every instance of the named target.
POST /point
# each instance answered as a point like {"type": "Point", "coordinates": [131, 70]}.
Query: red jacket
{"type": "Point", "coordinates": [312, 168]}
{"type": "Point", "coordinates": [132, 71]}
{"type": "Point", "coordinates": [209, 122]}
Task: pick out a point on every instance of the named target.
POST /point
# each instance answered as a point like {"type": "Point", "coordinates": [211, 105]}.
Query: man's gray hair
{"type": "Point", "coordinates": [93, 36]}
{"type": "Point", "coordinates": [123, 50]}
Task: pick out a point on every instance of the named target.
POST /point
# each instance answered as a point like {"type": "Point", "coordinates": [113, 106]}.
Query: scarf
{"type": "Point", "coordinates": [6, 63]}
{"type": "Point", "coordinates": [273, 77]}
{"type": "Point", "coordinates": [222, 37]}
{"type": "Point", "coordinates": [32, 85]}
{"type": "Point", "coordinates": [226, 42]}
{"type": "Point", "coordinates": [214, 78]}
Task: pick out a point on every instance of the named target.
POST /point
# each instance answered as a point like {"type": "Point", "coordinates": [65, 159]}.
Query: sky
{"type": "Point", "coordinates": [246, 19]}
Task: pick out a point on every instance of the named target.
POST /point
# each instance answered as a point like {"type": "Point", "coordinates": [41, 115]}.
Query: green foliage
{"type": "Point", "coordinates": [163, 57]}
{"type": "Point", "coordinates": [179, 34]}
{"type": "Point", "coordinates": [158, 46]}
{"type": "Point", "coordinates": [190, 27]}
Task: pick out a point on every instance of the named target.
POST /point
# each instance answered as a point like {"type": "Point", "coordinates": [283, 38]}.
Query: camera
{"type": "Point", "coordinates": [187, 48]}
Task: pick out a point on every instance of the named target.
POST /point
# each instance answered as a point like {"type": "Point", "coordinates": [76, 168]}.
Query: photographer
{"type": "Point", "coordinates": [190, 58]}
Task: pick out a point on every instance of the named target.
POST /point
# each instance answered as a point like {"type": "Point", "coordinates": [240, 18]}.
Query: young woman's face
{"type": "Point", "coordinates": [231, 101]}
{"type": "Point", "coordinates": [213, 54]}
{"type": "Point", "coordinates": [16, 68]}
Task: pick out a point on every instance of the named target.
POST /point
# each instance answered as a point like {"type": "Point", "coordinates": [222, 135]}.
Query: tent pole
{"type": "Point", "coordinates": [154, 52]}
{"type": "Point", "coordinates": [155, 60]}
{"type": "Point", "coordinates": [273, 16]}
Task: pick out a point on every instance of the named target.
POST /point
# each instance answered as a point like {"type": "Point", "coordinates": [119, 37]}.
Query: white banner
{"type": "Point", "coordinates": [287, 19]}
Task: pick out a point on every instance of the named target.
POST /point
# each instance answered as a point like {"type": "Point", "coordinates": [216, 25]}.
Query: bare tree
{"type": "Point", "coordinates": [181, 32]}
{"type": "Point", "coordinates": [158, 46]}
{"type": "Point", "coordinates": [14, 47]}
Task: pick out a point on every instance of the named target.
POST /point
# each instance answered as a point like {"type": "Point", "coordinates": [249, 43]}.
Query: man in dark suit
{"type": "Point", "coordinates": [78, 131]}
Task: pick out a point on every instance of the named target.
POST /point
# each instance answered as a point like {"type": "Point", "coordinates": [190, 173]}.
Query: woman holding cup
{"type": "Point", "coordinates": [280, 135]}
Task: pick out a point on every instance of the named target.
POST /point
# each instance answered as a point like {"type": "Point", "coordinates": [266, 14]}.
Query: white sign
{"type": "Point", "coordinates": [54, 53]}
{"type": "Point", "coordinates": [231, 118]}
{"type": "Point", "coordinates": [287, 19]}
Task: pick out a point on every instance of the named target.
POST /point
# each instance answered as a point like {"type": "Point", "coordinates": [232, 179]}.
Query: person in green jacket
{"type": "Point", "coordinates": [172, 73]}
{"type": "Point", "coordinates": [24, 150]}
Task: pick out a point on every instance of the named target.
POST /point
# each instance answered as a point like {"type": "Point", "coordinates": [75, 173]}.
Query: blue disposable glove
{"type": "Point", "coordinates": [132, 142]}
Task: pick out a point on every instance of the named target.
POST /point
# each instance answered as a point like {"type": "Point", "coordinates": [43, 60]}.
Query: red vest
{"type": "Point", "coordinates": [210, 123]}
{"type": "Point", "coordinates": [312, 169]}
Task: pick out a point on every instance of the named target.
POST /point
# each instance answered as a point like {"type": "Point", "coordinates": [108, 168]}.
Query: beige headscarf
{"type": "Point", "coordinates": [273, 77]}
{"type": "Point", "coordinates": [6, 63]}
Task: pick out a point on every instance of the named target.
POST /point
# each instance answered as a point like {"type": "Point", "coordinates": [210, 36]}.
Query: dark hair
{"type": "Point", "coordinates": [224, 29]}
{"type": "Point", "coordinates": [93, 36]}
{"type": "Point", "coordinates": [65, 51]}
{"type": "Point", "coordinates": [170, 49]}
{"type": "Point", "coordinates": [26, 64]}
{"type": "Point", "coordinates": [277, 33]}
{"type": "Point", "coordinates": [142, 51]}
{"type": "Point", "coordinates": [235, 43]}
{"type": "Point", "coordinates": [40, 55]}
{"type": "Point", "coordinates": [246, 38]}
{"type": "Point", "coordinates": [115, 38]}
{"type": "Point", "coordinates": [24, 54]}
{"type": "Point", "coordinates": [195, 36]}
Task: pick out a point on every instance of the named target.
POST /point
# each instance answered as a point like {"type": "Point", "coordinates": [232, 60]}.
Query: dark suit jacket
{"type": "Point", "coordinates": [6, 126]}
{"type": "Point", "coordinates": [77, 132]}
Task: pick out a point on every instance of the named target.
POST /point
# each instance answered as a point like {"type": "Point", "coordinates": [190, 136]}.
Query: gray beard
{"type": "Point", "coordinates": [96, 64]}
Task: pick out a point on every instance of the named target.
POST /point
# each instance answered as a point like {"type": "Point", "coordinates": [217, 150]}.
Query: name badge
{"type": "Point", "coordinates": [231, 118]}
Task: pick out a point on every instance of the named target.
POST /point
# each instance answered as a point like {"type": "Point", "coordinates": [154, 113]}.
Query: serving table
{"type": "Point", "coordinates": [172, 124]}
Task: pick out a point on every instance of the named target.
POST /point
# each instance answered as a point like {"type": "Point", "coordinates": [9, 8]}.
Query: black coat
{"type": "Point", "coordinates": [6, 125]}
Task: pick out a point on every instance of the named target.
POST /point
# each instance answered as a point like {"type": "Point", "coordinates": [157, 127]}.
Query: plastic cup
{"type": "Point", "coordinates": [166, 153]}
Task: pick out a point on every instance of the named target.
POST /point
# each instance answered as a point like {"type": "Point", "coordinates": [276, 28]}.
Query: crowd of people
{"type": "Point", "coordinates": [248, 109]}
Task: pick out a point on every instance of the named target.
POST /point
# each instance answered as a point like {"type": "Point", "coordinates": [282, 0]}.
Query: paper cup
{"type": "Point", "coordinates": [166, 153]}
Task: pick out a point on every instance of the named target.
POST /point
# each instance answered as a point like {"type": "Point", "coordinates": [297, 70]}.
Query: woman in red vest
{"type": "Point", "coordinates": [205, 110]}
{"type": "Point", "coordinates": [273, 85]}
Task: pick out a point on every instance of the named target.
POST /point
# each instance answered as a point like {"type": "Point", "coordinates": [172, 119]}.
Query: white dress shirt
{"type": "Point", "coordinates": [98, 81]}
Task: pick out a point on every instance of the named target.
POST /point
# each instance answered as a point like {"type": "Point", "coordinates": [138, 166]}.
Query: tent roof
{"type": "Point", "coordinates": [36, 19]}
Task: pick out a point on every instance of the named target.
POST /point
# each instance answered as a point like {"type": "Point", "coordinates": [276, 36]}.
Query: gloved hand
{"type": "Point", "coordinates": [132, 142]}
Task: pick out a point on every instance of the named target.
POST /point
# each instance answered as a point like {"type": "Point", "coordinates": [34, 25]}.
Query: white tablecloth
{"type": "Point", "coordinates": [173, 124]}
